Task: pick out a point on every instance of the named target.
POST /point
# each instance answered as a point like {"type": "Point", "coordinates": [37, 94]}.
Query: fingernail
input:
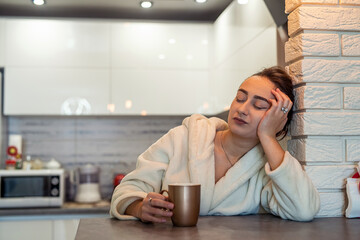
{"type": "Point", "coordinates": [163, 220]}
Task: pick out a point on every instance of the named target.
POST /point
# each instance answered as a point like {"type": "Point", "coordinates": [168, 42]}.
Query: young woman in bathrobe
{"type": "Point", "coordinates": [240, 165]}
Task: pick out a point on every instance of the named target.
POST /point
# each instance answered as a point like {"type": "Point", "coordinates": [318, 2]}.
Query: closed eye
{"type": "Point", "coordinates": [260, 108]}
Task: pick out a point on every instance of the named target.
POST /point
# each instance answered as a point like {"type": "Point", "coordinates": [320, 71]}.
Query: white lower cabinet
{"type": "Point", "coordinates": [39, 229]}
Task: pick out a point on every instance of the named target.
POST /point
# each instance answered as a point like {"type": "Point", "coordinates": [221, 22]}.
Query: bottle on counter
{"type": "Point", "coordinates": [27, 163]}
{"type": "Point", "coordinates": [19, 161]}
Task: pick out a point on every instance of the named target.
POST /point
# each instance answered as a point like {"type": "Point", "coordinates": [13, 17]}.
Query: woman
{"type": "Point", "coordinates": [240, 165]}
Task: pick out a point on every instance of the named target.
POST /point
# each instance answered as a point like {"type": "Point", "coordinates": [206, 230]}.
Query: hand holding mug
{"type": "Point", "coordinates": [153, 208]}
{"type": "Point", "coordinates": [186, 199]}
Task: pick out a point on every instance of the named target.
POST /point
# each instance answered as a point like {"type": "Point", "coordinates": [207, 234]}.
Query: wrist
{"type": "Point", "coordinates": [266, 137]}
{"type": "Point", "coordinates": [134, 208]}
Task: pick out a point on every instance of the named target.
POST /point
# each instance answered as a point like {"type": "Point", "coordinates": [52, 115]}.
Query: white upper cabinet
{"type": "Point", "coordinates": [102, 67]}
{"type": "Point", "coordinates": [57, 43]}
{"type": "Point", "coordinates": [166, 92]}
{"type": "Point", "coordinates": [159, 68]}
{"type": "Point", "coordinates": [160, 45]}
{"type": "Point", "coordinates": [56, 91]}
{"type": "Point", "coordinates": [55, 67]}
{"type": "Point", "coordinates": [2, 42]}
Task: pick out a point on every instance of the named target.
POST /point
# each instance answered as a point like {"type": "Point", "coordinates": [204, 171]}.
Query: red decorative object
{"type": "Point", "coordinates": [118, 179]}
{"type": "Point", "coordinates": [12, 151]}
{"type": "Point", "coordinates": [10, 162]}
{"type": "Point", "coordinates": [357, 175]}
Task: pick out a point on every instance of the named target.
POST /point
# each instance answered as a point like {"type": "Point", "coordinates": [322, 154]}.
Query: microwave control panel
{"type": "Point", "coordinates": [55, 186]}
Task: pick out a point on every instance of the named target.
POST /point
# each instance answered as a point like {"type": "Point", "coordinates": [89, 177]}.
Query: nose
{"type": "Point", "coordinates": [243, 108]}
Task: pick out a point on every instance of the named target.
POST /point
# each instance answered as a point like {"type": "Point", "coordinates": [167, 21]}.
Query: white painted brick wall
{"type": "Point", "coordinates": [330, 177]}
{"type": "Point", "coordinates": [352, 97]}
{"type": "Point", "coordinates": [308, 44]}
{"type": "Point", "coordinates": [353, 150]}
{"type": "Point", "coordinates": [323, 56]}
{"type": "Point", "coordinates": [350, 2]}
{"type": "Point", "coordinates": [290, 5]}
{"type": "Point", "coordinates": [332, 204]}
{"type": "Point", "coordinates": [320, 97]}
{"type": "Point", "coordinates": [323, 18]}
{"type": "Point", "coordinates": [350, 44]}
{"type": "Point", "coordinates": [326, 123]}
{"type": "Point", "coordinates": [309, 150]}
{"type": "Point", "coordinates": [326, 71]}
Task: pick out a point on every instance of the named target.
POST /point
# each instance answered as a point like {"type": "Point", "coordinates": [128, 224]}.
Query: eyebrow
{"type": "Point", "coordinates": [256, 96]}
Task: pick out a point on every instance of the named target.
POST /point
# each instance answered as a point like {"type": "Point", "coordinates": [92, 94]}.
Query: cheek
{"type": "Point", "coordinates": [232, 106]}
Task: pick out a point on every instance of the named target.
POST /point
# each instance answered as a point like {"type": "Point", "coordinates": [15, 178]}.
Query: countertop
{"type": "Point", "coordinates": [101, 207]}
{"type": "Point", "coordinates": [220, 227]}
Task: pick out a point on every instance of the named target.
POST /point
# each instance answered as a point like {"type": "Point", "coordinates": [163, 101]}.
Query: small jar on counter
{"type": "Point", "coordinates": [10, 164]}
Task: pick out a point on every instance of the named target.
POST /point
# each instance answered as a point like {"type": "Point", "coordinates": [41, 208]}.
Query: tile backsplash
{"type": "Point", "coordinates": [113, 143]}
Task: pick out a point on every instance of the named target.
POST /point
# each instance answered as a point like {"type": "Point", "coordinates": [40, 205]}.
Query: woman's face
{"type": "Point", "coordinates": [249, 106]}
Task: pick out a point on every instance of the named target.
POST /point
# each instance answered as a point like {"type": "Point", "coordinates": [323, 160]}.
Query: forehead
{"type": "Point", "coordinates": [260, 86]}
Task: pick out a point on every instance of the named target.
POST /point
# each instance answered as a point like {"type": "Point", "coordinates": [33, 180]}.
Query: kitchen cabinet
{"type": "Point", "coordinates": [55, 91]}
{"type": "Point", "coordinates": [45, 43]}
{"type": "Point", "coordinates": [133, 67]}
{"type": "Point", "coordinates": [2, 43]}
{"type": "Point", "coordinates": [56, 67]}
{"type": "Point", "coordinates": [39, 229]}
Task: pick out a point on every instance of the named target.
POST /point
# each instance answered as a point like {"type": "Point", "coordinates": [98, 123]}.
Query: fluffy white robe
{"type": "Point", "coordinates": [186, 154]}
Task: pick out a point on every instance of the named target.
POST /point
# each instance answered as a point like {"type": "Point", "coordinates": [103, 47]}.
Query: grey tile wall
{"type": "Point", "coordinates": [113, 143]}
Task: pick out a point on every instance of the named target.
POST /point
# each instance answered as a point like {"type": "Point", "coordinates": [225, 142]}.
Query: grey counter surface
{"type": "Point", "coordinates": [220, 227]}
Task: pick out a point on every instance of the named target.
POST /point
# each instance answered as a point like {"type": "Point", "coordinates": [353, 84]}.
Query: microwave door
{"type": "Point", "coordinates": [23, 186]}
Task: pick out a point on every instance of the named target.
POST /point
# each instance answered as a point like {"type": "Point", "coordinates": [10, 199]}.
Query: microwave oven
{"type": "Point", "coordinates": [31, 188]}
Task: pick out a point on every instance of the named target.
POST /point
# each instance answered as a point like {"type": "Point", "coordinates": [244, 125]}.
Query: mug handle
{"type": "Point", "coordinates": [162, 192]}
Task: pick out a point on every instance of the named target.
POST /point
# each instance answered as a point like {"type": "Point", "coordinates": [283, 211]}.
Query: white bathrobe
{"type": "Point", "coordinates": [186, 154]}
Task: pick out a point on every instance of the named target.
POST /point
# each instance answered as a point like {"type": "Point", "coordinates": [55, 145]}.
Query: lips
{"type": "Point", "coordinates": [239, 121]}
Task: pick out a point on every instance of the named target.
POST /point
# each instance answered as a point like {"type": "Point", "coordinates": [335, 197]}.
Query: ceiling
{"type": "Point", "coordinates": [180, 10]}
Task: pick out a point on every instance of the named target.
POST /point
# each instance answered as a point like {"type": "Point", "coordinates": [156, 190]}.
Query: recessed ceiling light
{"type": "Point", "coordinates": [201, 1]}
{"type": "Point", "coordinates": [146, 4]}
{"type": "Point", "coordinates": [242, 1]}
{"type": "Point", "coordinates": [38, 2]}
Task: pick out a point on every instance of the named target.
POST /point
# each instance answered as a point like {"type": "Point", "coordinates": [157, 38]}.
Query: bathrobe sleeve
{"type": "Point", "coordinates": [147, 177]}
{"type": "Point", "coordinates": [289, 192]}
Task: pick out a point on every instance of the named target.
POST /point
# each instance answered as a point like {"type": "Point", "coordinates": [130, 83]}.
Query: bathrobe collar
{"type": "Point", "coordinates": [201, 135]}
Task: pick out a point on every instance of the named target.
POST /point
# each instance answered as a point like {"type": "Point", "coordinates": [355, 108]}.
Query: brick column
{"type": "Point", "coordinates": [323, 55]}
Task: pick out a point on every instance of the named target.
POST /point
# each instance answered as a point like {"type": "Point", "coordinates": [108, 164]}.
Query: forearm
{"type": "Point", "coordinates": [273, 151]}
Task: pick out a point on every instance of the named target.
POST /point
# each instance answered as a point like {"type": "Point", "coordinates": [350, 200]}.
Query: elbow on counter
{"type": "Point", "coordinates": [307, 213]}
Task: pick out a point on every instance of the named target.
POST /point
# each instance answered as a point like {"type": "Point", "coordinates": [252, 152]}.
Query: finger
{"type": "Point", "coordinates": [159, 212]}
{"type": "Point", "coordinates": [277, 94]}
{"type": "Point", "coordinates": [287, 100]}
{"type": "Point", "coordinates": [279, 99]}
{"type": "Point", "coordinates": [162, 204]}
{"type": "Point", "coordinates": [151, 218]}
{"type": "Point", "coordinates": [154, 195]}
{"type": "Point", "coordinates": [275, 107]}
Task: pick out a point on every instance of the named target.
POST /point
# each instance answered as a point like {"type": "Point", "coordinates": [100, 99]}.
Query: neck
{"type": "Point", "coordinates": [236, 146]}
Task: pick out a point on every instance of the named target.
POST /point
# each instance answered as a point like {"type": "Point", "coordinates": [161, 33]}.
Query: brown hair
{"type": "Point", "coordinates": [283, 81]}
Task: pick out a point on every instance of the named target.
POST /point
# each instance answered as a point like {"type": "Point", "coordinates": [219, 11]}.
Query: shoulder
{"type": "Point", "coordinates": [196, 121]}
